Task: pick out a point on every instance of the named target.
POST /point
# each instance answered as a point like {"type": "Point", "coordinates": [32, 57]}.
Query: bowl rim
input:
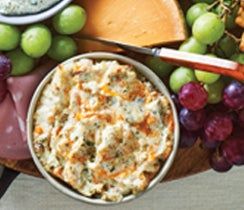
{"type": "Point", "coordinates": [145, 71]}
{"type": "Point", "coordinates": [36, 17]}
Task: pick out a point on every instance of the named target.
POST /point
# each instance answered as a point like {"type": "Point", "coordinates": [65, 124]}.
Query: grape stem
{"type": "Point", "coordinates": [225, 8]}
{"type": "Point", "coordinates": [235, 3]}
{"type": "Point", "coordinates": [237, 40]}
{"type": "Point", "coordinates": [210, 7]}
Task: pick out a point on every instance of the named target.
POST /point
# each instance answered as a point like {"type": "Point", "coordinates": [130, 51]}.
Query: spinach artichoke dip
{"type": "Point", "coordinates": [102, 128]}
{"type": "Point", "coordinates": [22, 7]}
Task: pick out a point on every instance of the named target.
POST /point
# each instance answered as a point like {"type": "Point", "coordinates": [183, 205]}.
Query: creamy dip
{"type": "Point", "coordinates": [20, 7]}
{"type": "Point", "coordinates": [102, 128]}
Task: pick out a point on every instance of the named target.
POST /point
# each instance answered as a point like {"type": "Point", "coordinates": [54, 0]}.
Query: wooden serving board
{"type": "Point", "coordinates": [187, 162]}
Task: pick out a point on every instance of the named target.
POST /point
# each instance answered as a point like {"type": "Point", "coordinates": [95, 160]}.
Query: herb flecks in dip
{"type": "Point", "coordinates": [102, 128]}
{"type": "Point", "coordinates": [22, 7]}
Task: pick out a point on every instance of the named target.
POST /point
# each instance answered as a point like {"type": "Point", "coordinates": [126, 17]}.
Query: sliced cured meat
{"type": "Point", "coordinates": [11, 143]}
{"type": "Point", "coordinates": [22, 89]}
{"type": "Point", "coordinates": [13, 112]}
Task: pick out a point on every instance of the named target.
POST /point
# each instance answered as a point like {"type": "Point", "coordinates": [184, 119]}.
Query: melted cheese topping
{"type": "Point", "coordinates": [102, 128]}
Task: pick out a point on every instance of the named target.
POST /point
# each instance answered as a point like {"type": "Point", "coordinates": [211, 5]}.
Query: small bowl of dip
{"type": "Point", "coordinates": [22, 12]}
{"type": "Point", "coordinates": [102, 128]}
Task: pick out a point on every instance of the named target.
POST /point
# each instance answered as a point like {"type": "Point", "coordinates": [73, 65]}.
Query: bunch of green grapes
{"type": "Point", "coordinates": [208, 21]}
{"type": "Point", "coordinates": [24, 48]}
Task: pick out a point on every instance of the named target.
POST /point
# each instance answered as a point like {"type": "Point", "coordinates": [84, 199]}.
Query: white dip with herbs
{"type": "Point", "coordinates": [20, 7]}
{"type": "Point", "coordinates": [102, 128]}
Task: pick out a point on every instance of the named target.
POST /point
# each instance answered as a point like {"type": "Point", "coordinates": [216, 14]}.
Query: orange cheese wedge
{"type": "Point", "coordinates": [139, 22]}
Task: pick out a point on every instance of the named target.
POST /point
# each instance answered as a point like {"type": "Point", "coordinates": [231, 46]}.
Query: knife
{"type": "Point", "coordinates": [179, 58]}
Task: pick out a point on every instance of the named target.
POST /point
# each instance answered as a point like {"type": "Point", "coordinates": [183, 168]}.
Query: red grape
{"type": "Point", "coordinates": [233, 150]}
{"type": "Point", "coordinates": [218, 126]}
{"type": "Point", "coordinates": [220, 107]}
{"type": "Point", "coordinates": [238, 132]}
{"type": "Point", "coordinates": [234, 117]}
{"type": "Point", "coordinates": [193, 96]}
{"type": "Point", "coordinates": [241, 118]}
{"type": "Point", "coordinates": [5, 67]}
{"type": "Point", "coordinates": [234, 95]}
{"type": "Point", "coordinates": [209, 143]}
{"type": "Point", "coordinates": [3, 90]}
{"type": "Point", "coordinates": [192, 120]}
{"type": "Point", "coordinates": [187, 139]}
{"type": "Point", "coordinates": [219, 163]}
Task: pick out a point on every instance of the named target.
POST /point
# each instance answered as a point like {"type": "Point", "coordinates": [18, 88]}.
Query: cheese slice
{"type": "Point", "coordinates": [139, 22]}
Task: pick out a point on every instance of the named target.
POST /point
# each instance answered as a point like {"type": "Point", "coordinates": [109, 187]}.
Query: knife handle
{"type": "Point", "coordinates": [201, 62]}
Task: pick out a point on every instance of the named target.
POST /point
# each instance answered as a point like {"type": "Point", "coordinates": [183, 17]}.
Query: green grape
{"type": "Point", "coordinates": [36, 40]}
{"type": "Point", "coordinates": [230, 21]}
{"type": "Point", "coordinates": [208, 28]}
{"type": "Point", "coordinates": [71, 20]}
{"type": "Point", "coordinates": [62, 48]}
{"type": "Point", "coordinates": [161, 68]}
{"type": "Point", "coordinates": [180, 77]}
{"type": "Point", "coordinates": [227, 46]}
{"type": "Point", "coordinates": [238, 58]}
{"type": "Point", "coordinates": [195, 11]}
{"type": "Point", "coordinates": [215, 91]}
{"type": "Point", "coordinates": [21, 63]}
{"type": "Point", "coordinates": [204, 1]}
{"type": "Point", "coordinates": [207, 77]}
{"type": "Point", "coordinates": [9, 37]}
{"type": "Point", "coordinates": [193, 46]}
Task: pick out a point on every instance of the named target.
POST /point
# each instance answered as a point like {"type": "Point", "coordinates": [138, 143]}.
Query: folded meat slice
{"type": "Point", "coordinates": [11, 143]}
{"type": "Point", "coordinates": [22, 89]}
{"type": "Point", "coordinates": [13, 113]}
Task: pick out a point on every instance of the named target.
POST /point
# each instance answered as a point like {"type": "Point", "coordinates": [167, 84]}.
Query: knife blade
{"type": "Point", "coordinates": [186, 59]}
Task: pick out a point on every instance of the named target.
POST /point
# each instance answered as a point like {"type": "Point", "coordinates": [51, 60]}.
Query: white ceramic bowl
{"type": "Point", "coordinates": [33, 18]}
{"type": "Point", "coordinates": [151, 77]}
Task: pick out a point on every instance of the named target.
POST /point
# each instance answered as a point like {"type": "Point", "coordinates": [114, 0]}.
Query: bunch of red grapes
{"type": "Point", "coordinates": [218, 126]}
